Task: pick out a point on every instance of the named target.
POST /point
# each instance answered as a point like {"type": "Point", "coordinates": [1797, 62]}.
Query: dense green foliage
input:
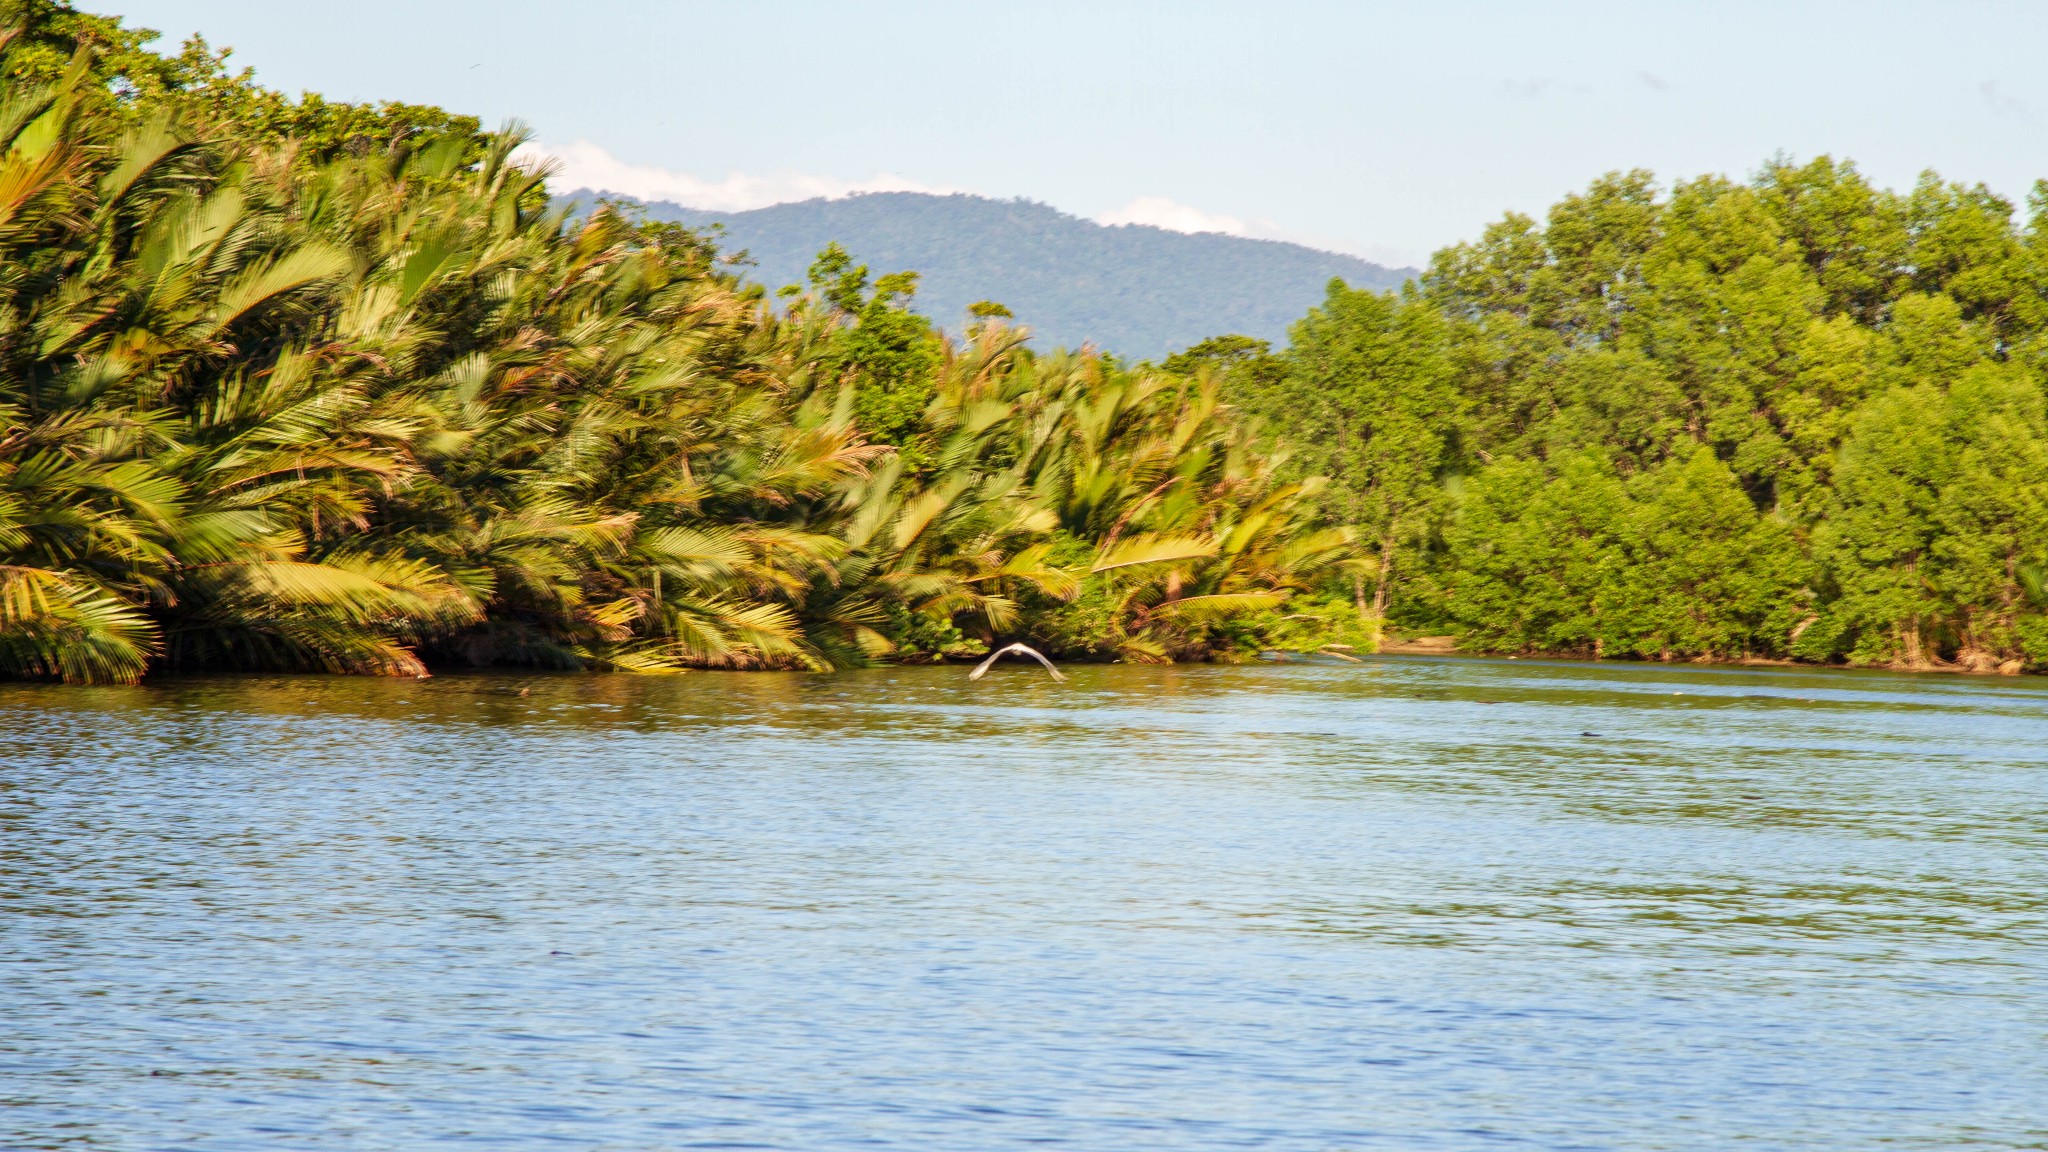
{"type": "Point", "coordinates": [290, 384]}
{"type": "Point", "coordinates": [1800, 417]}
{"type": "Point", "coordinates": [1132, 290]}
{"type": "Point", "coordinates": [296, 384]}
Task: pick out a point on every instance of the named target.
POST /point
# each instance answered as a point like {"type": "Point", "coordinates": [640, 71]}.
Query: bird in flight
{"type": "Point", "coordinates": [1021, 650]}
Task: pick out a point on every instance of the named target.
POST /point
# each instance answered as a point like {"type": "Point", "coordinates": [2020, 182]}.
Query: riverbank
{"type": "Point", "coordinates": [1983, 665]}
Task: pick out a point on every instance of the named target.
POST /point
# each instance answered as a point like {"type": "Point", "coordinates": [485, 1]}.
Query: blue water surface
{"type": "Point", "coordinates": [1406, 904]}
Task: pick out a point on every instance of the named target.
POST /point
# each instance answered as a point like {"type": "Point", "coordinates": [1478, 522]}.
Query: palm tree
{"type": "Point", "coordinates": [273, 403]}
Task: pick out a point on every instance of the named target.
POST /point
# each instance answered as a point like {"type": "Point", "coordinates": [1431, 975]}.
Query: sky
{"type": "Point", "coordinates": [1381, 129]}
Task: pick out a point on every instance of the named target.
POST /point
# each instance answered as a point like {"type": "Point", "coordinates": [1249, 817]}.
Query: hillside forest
{"type": "Point", "coordinates": [295, 384]}
{"type": "Point", "coordinates": [1131, 289]}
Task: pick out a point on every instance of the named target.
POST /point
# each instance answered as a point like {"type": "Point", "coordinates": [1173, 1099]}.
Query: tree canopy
{"type": "Point", "coordinates": [1794, 417]}
{"type": "Point", "coordinates": [293, 384]}
{"type": "Point", "coordinates": [288, 383]}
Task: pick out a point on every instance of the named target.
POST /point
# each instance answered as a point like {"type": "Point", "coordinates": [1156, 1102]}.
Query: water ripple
{"type": "Point", "coordinates": [1413, 904]}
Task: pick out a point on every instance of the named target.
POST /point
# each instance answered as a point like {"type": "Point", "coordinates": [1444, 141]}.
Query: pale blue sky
{"type": "Point", "coordinates": [1384, 129]}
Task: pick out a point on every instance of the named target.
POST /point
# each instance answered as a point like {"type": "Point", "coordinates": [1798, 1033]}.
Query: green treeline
{"type": "Point", "coordinates": [307, 385]}
{"type": "Point", "coordinates": [1799, 418]}
{"type": "Point", "coordinates": [298, 384]}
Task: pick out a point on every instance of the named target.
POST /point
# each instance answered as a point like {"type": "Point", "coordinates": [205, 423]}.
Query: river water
{"type": "Point", "coordinates": [1408, 904]}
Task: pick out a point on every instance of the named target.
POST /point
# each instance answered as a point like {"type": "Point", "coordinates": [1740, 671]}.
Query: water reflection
{"type": "Point", "coordinates": [1409, 904]}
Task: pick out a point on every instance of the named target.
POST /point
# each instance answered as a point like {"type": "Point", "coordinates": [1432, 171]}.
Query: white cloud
{"type": "Point", "coordinates": [2003, 103]}
{"type": "Point", "coordinates": [1172, 215]}
{"type": "Point", "coordinates": [1160, 212]}
{"type": "Point", "coordinates": [586, 165]}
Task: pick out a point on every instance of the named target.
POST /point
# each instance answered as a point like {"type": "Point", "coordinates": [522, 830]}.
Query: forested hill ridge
{"type": "Point", "coordinates": [1134, 290]}
{"type": "Point", "coordinates": [293, 384]}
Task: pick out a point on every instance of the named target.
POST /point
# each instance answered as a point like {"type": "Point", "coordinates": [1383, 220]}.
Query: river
{"type": "Point", "coordinates": [1407, 904]}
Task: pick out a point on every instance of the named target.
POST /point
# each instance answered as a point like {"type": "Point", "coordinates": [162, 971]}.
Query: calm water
{"type": "Point", "coordinates": [1413, 904]}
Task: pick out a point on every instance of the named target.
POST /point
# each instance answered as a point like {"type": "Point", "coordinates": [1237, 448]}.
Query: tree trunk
{"type": "Point", "coordinates": [1382, 592]}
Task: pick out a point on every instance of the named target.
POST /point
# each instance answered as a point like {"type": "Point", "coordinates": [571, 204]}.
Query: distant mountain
{"type": "Point", "coordinates": [1131, 289]}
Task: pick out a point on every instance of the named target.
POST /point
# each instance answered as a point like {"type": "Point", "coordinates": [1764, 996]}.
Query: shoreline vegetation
{"type": "Point", "coordinates": [297, 384]}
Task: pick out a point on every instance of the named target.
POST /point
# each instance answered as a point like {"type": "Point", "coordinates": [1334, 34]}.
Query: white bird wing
{"type": "Point", "coordinates": [1025, 649]}
{"type": "Point", "coordinates": [1035, 654]}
